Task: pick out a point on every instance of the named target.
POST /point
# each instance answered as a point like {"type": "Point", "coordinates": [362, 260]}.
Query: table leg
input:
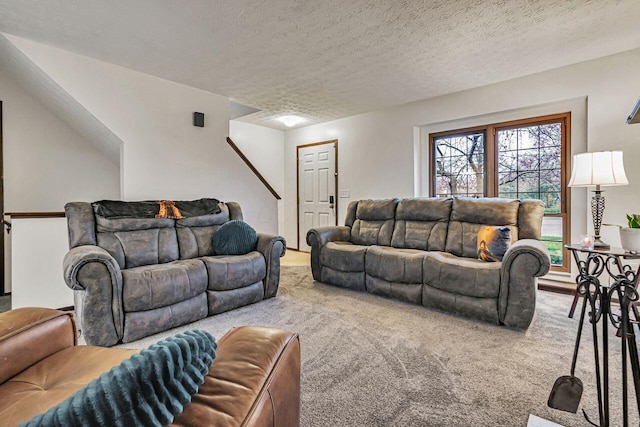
{"type": "Point", "coordinates": [635, 365]}
{"type": "Point", "coordinates": [576, 297]}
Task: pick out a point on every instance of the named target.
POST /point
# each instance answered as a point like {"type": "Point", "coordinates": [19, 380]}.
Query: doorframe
{"type": "Point", "coordinates": [2, 228]}
{"type": "Point", "coordinates": [335, 197]}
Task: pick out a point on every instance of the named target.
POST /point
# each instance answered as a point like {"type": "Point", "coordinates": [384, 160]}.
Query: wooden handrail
{"type": "Point", "coordinates": [255, 171]}
{"type": "Point", "coordinates": [14, 215]}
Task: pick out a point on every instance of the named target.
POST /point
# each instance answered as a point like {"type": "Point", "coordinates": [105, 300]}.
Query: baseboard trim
{"type": "Point", "coordinates": [556, 287]}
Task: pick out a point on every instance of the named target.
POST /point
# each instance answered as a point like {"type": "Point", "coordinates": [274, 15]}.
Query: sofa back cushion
{"type": "Point", "coordinates": [374, 220]}
{"type": "Point", "coordinates": [422, 224]}
{"type": "Point", "coordinates": [530, 218]}
{"type": "Point", "coordinates": [195, 235]}
{"type": "Point", "coordinates": [134, 242]}
{"type": "Point", "coordinates": [468, 215]}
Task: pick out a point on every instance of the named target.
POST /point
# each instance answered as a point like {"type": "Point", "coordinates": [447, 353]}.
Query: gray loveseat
{"type": "Point", "coordinates": [136, 277]}
{"type": "Point", "coordinates": [424, 251]}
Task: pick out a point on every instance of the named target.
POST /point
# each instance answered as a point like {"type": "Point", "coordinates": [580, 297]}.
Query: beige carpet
{"type": "Point", "coordinates": [371, 361]}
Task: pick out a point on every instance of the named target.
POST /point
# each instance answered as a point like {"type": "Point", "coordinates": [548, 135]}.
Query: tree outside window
{"type": "Point", "coordinates": [521, 160]}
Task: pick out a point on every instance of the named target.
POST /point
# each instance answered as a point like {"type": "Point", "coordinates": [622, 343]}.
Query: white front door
{"type": "Point", "coordinates": [316, 188]}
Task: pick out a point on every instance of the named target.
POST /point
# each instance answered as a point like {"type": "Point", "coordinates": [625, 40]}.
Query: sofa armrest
{"type": "Point", "coordinates": [272, 248]}
{"type": "Point", "coordinates": [318, 237]}
{"type": "Point", "coordinates": [523, 262]}
{"type": "Point", "coordinates": [97, 279]}
{"type": "Point", "coordinates": [254, 381]}
{"type": "Point", "coordinates": [29, 335]}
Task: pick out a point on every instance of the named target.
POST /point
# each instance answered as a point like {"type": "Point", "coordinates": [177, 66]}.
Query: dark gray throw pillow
{"type": "Point", "coordinates": [149, 389]}
{"type": "Point", "coordinates": [234, 238]}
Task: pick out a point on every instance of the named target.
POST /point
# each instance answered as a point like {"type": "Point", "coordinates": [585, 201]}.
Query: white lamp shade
{"type": "Point", "coordinates": [600, 168]}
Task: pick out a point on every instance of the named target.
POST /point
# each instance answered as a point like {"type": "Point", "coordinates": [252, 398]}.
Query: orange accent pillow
{"type": "Point", "coordinates": [493, 242]}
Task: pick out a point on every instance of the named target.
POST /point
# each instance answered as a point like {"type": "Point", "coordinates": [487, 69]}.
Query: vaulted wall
{"type": "Point", "coordinates": [163, 156]}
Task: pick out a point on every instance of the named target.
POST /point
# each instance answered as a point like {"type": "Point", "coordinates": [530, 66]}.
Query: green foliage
{"type": "Point", "coordinates": [555, 249]}
{"type": "Point", "coordinates": [634, 220]}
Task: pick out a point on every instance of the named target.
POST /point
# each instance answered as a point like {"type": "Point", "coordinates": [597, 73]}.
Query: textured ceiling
{"type": "Point", "coordinates": [329, 59]}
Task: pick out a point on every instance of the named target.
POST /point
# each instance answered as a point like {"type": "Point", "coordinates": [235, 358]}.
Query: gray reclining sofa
{"type": "Point", "coordinates": [136, 277]}
{"type": "Point", "coordinates": [424, 251]}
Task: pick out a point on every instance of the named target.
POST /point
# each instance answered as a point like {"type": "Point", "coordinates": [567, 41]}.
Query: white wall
{"type": "Point", "coordinates": [264, 147]}
{"type": "Point", "coordinates": [377, 150]}
{"type": "Point", "coordinates": [163, 155]}
{"type": "Point", "coordinates": [46, 163]}
{"type": "Point", "coordinates": [39, 247]}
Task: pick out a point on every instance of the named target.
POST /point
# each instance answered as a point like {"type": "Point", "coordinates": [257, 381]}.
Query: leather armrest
{"type": "Point", "coordinates": [318, 237]}
{"type": "Point", "coordinates": [79, 256]}
{"type": "Point", "coordinates": [254, 381]}
{"type": "Point", "coordinates": [92, 271]}
{"type": "Point", "coordinates": [272, 248]}
{"type": "Point", "coordinates": [267, 243]}
{"type": "Point", "coordinates": [533, 247]}
{"type": "Point", "coordinates": [525, 260]}
{"type": "Point", "coordinates": [29, 335]}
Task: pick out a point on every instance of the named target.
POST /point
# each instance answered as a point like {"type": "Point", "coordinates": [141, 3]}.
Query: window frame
{"type": "Point", "coordinates": [491, 165]}
{"type": "Point", "coordinates": [456, 132]}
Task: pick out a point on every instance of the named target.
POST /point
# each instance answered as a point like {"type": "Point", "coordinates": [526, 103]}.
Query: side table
{"type": "Point", "coordinates": [599, 297]}
{"type": "Point", "coordinates": [614, 255]}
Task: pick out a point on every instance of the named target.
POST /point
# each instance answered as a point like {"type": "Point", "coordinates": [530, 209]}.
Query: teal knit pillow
{"type": "Point", "coordinates": [234, 238]}
{"type": "Point", "coordinates": [149, 389]}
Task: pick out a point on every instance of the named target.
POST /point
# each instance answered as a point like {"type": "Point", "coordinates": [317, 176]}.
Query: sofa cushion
{"type": "Point", "coordinates": [52, 380]}
{"type": "Point", "coordinates": [468, 215]}
{"type": "Point", "coordinates": [374, 222]}
{"type": "Point", "coordinates": [395, 265]}
{"type": "Point", "coordinates": [149, 393]}
{"type": "Point", "coordinates": [140, 324]}
{"type": "Point", "coordinates": [421, 224]}
{"type": "Point", "coordinates": [196, 242]}
{"type": "Point", "coordinates": [153, 286]}
{"type": "Point", "coordinates": [234, 271]}
{"type": "Point", "coordinates": [410, 292]}
{"type": "Point", "coordinates": [345, 279]}
{"type": "Point", "coordinates": [463, 276]}
{"type": "Point", "coordinates": [530, 216]}
{"type": "Point", "coordinates": [479, 308]}
{"type": "Point", "coordinates": [195, 235]}
{"type": "Point", "coordinates": [221, 301]}
{"type": "Point", "coordinates": [234, 238]}
{"type": "Point", "coordinates": [343, 256]}
{"type": "Point", "coordinates": [140, 247]}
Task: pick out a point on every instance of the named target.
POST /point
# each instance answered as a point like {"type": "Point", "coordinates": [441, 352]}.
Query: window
{"type": "Point", "coordinates": [460, 164]}
{"type": "Point", "coordinates": [524, 159]}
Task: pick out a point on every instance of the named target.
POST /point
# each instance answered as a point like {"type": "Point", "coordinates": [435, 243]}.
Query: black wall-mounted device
{"type": "Point", "coordinates": [198, 119]}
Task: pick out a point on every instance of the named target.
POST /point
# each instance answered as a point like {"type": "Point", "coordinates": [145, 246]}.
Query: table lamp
{"type": "Point", "coordinates": [603, 168]}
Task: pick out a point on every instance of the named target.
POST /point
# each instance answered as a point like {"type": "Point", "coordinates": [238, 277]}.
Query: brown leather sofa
{"type": "Point", "coordinates": [254, 380]}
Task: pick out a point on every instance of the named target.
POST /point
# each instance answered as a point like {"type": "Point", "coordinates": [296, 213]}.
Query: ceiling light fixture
{"type": "Point", "coordinates": [291, 121]}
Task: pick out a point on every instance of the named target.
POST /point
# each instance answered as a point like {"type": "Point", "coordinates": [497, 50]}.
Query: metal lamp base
{"type": "Point", "coordinates": [597, 211]}
{"type": "Point", "coordinates": [599, 244]}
